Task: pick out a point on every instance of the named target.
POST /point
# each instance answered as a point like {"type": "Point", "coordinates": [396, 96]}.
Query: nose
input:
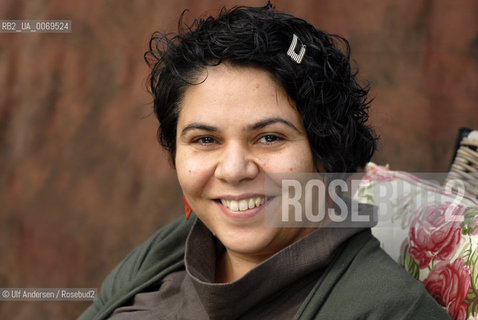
{"type": "Point", "coordinates": [236, 164]}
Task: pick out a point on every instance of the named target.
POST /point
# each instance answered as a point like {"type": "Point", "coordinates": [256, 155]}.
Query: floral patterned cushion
{"type": "Point", "coordinates": [429, 230]}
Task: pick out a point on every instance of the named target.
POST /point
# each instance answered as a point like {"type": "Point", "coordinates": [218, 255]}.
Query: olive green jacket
{"type": "Point", "coordinates": [361, 282]}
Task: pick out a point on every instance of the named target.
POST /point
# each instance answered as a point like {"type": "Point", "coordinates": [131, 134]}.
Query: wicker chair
{"type": "Point", "coordinates": [464, 165]}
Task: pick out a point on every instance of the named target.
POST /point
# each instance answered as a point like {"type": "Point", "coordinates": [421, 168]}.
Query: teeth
{"type": "Point", "coordinates": [252, 203]}
{"type": "Point", "coordinates": [244, 204]}
{"type": "Point", "coordinates": [259, 201]}
{"type": "Point", "coordinates": [233, 205]}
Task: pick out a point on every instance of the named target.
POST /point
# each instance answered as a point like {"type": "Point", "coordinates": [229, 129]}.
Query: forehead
{"type": "Point", "coordinates": [230, 78]}
{"type": "Point", "coordinates": [235, 93]}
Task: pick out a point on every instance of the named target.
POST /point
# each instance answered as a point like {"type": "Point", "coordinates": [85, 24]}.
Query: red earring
{"type": "Point", "coordinates": [187, 208]}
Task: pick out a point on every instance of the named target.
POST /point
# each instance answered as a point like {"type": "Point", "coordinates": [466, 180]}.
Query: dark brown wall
{"type": "Point", "coordinates": [82, 179]}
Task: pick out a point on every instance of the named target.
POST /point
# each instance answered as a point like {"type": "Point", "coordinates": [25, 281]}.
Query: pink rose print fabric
{"type": "Point", "coordinates": [438, 236]}
{"type": "Point", "coordinates": [432, 236]}
{"type": "Point", "coordinates": [449, 284]}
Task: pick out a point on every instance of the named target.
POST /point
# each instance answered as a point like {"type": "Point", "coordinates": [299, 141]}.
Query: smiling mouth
{"type": "Point", "coordinates": [243, 204]}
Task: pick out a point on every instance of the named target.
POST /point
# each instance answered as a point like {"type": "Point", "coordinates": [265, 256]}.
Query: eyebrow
{"type": "Point", "coordinates": [266, 122]}
{"type": "Point", "coordinates": [197, 126]}
{"type": "Point", "coordinates": [258, 125]}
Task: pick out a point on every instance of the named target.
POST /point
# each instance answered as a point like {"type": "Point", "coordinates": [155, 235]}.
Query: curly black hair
{"type": "Point", "coordinates": [332, 104]}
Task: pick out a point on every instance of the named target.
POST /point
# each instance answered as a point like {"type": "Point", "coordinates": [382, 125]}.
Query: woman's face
{"type": "Point", "coordinates": [233, 128]}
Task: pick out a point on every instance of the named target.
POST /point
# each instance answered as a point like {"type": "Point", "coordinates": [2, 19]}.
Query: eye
{"type": "Point", "coordinates": [270, 139]}
{"type": "Point", "coordinates": [204, 140]}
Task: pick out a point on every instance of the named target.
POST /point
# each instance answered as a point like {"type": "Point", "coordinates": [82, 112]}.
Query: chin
{"type": "Point", "coordinates": [249, 242]}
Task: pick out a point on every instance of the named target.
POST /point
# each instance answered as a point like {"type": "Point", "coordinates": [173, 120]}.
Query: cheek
{"type": "Point", "coordinates": [297, 159]}
{"type": "Point", "coordinates": [193, 172]}
{"type": "Point", "coordinates": [303, 159]}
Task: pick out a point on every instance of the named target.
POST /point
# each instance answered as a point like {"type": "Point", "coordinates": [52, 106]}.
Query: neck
{"type": "Point", "coordinates": [232, 266]}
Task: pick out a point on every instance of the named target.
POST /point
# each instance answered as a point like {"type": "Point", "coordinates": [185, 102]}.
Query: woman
{"type": "Point", "coordinates": [238, 96]}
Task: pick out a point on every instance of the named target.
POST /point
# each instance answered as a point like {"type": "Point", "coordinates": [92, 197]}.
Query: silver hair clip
{"type": "Point", "coordinates": [297, 57]}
